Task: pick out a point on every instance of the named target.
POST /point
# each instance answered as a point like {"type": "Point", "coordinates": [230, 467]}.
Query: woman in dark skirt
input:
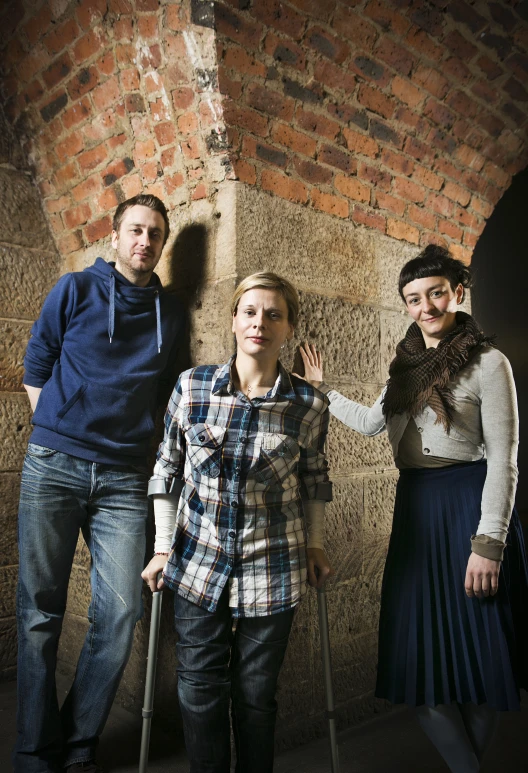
{"type": "Point", "coordinates": [453, 631]}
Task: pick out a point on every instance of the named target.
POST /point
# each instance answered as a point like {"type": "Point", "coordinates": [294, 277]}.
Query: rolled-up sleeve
{"type": "Point", "coordinates": [313, 466]}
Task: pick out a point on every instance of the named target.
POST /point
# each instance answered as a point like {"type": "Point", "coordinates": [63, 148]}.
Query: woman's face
{"type": "Point", "coordinates": [432, 303]}
{"type": "Point", "coordinates": [260, 323]}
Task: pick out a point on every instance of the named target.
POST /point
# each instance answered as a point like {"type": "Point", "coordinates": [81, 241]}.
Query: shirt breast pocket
{"type": "Point", "coordinates": [277, 460]}
{"type": "Point", "coordinates": [204, 449]}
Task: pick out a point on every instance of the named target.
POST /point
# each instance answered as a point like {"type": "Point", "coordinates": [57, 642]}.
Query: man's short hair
{"type": "Point", "coordinates": [143, 200]}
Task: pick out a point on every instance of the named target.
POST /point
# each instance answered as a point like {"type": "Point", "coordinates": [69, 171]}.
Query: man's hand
{"type": "Point", "coordinates": [482, 576]}
{"type": "Point", "coordinates": [313, 365]}
{"type": "Point", "coordinates": [319, 569]}
{"type": "Point", "coordinates": [151, 571]}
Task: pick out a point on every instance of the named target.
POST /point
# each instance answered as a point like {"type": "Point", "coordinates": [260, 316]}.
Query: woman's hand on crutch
{"type": "Point", "coordinates": [151, 571]}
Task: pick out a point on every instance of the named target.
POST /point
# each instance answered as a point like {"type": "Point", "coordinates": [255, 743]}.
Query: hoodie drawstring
{"type": "Point", "coordinates": [158, 321]}
{"type": "Point", "coordinates": [111, 310]}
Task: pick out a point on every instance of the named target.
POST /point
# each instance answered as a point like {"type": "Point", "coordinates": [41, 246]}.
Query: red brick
{"type": "Point", "coordinates": [387, 17]}
{"type": "Point", "coordinates": [470, 239]}
{"type": "Point", "coordinates": [106, 94]}
{"type": "Point", "coordinates": [88, 187]}
{"type": "Point", "coordinates": [245, 118]}
{"type": "Point", "coordinates": [125, 53]}
{"type": "Point", "coordinates": [493, 125]}
{"type": "Point", "coordinates": [325, 43]}
{"type": "Point", "coordinates": [176, 181]}
{"type": "Point", "coordinates": [402, 231]}
{"type": "Point", "coordinates": [232, 88]}
{"type": "Point", "coordinates": [148, 27]}
{"type": "Point", "coordinates": [397, 161]}
{"type": "Point", "coordinates": [90, 159]}
{"type": "Point", "coordinates": [89, 45]}
{"type": "Point", "coordinates": [424, 176]}
{"type": "Point", "coordinates": [450, 229]}
{"type": "Point", "coordinates": [239, 60]}
{"type": "Point", "coordinates": [129, 79]}
{"type": "Point", "coordinates": [418, 150]}
{"type": "Point", "coordinates": [38, 25]}
{"type": "Point", "coordinates": [188, 123]}
{"type": "Point", "coordinates": [159, 110]}
{"type": "Point", "coordinates": [473, 181]}
{"type": "Point", "coordinates": [430, 238]}
{"type": "Point", "coordinates": [359, 143]}
{"type": "Point", "coordinates": [385, 201]}
{"type": "Point", "coordinates": [406, 92]}
{"type": "Point", "coordinates": [62, 36]}
{"type": "Point", "coordinates": [245, 172]}
{"type": "Point", "coordinates": [76, 216]}
{"type": "Point", "coordinates": [85, 80]}
{"type": "Point", "coordinates": [378, 178]}
{"type": "Point", "coordinates": [106, 64]}
{"type": "Point", "coordinates": [167, 158]}
{"type": "Point", "coordinates": [147, 5]}
{"type": "Point", "coordinates": [355, 28]}
{"type": "Point", "coordinates": [182, 98]}
{"type": "Point", "coordinates": [332, 205]}
{"type": "Point", "coordinates": [461, 253]}
{"type": "Point", "coordinates": [395, 55]}
{"type": "Point", "coordinates": [285, 187]}
{"type": "Point", "coordinates": [421, 216]}
{"type": "Point", "coordinates": [191, 148]}
{"type": "Point", "coordinates": [275, 14]}
{"type": "Point", "coordinates": [115, 170]}
{"type": "Point", "coordinates": [134, 103]}
{"type": "Point", "coordinates": [144, 150]}
{"type": "Point", "coordinates": [270, 102]}
{"type": "Point", "coordinates": [98, 230]}
{"type": "Point", "coordinates": [446, 168]}
{"type": "Point", "coordinates": [457, 193]}
{"type": "Point", "coordinates": [370, 219]}
{"type": "Point", "coordinates": [165, 133]}
{"type": "Point", "coordinates": [483, 208]}
{"type": "Point", "coordinates": [489, 67]}
{"type": "Point", "coordinates": [460, 45]}
{"type": "Point", "coordinates": [419, 39]}
{"type": "Point", "coordinates": [414, 121]}
{"type": "Point", "coordinates": [466, 218]}
{"type": "Point", "coordinates": [300, 143]}
{"type": "Point", "coordinates": [329, 154]}
{"type": "Point", "coordinates": [369, 69]}
{"type": "Point", "coordinates": [469, 157]}
{"type": "Point", "coordinates": [32, 63]}
{"type": "Point", "coordinates": [317, 124]}
{"type": "Point", "coordinates": [456, 68]}
{"type": "Point", "coordinates": [69, 147]}
{"type": "Point", "coordinates": [57, 205]}
{"type": "Point", "coordinates": [232, 25]}
{"type": "Point", "coordinates": [334, 77]}
{"type": "Point", "coordinates": [151, 171]}
{"type": "Point", "coordinates": [123, 28]}
{"type": "Point", "coordinates": [321, 9]}
{"type": "Point", "coordinates": [375, 100]}
{"type": "Point", "coordinates": [90, 11]}
{"type": "Point", "coordinates": [175, 18]}
{"type": "Point", "coordinates": [312, 173]}
{"type": "Point", "coordinates": [131, 185]}
{"type": "Point", "coordinates": [285, 51]}
{"type": "Point", "coordinates": [70, 243]}
{"type": "Point", "coordinates": [431, 80]}
{"type": "Point", "coordinates": [440, 204]}
{"type": "Point", "coordinates": [439, 113]}
{"type": "Point", "coordinates": [463, 104]}
{"type": "Point", "coordinates": [259, 150]}
{"type": "Point", "coordinates": [156, 189]}
{"type": "Point", "coordinates": [497, 175]}
{"type": "Point", "coordinates": [200, 192]}
{"type": "Point", "coordinates": [352, 188]}
{"type": "Point", "coordinates": [66, 174]}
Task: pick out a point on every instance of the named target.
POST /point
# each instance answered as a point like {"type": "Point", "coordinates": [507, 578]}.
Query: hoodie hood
{"type": "Point", "coordinates": [123, 294]}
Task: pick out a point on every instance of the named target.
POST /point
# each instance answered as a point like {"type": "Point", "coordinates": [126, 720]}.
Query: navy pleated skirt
{"type": "Point", "coordinates": [436, 645]}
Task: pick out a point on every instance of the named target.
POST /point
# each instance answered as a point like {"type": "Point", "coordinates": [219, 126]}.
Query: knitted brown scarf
{"type": "Point", "coordinates": [420, 376]}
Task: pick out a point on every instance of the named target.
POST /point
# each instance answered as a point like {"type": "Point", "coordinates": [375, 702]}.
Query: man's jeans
{"type": "Point", "coordinates": [216, 666]}
{"type": "Point", "coordinates": [61, 494]}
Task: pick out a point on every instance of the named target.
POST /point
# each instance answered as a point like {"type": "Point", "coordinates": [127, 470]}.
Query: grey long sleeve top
{"type": "Point", "coordinates": [486, 426]}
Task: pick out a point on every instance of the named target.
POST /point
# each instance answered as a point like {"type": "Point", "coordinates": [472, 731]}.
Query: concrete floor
{"type": "Point", "coordinates": [392, 742]}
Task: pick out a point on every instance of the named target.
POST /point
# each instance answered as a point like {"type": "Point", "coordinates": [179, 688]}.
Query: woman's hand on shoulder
{"type": "Point", "coordinates": [482, 576]}
{"type": "Point", "coordinates": [319, 569]}
{"type": "Point", "coordinates": [152, 570]}
{"type": "Point", "coordinates": [313, 364]}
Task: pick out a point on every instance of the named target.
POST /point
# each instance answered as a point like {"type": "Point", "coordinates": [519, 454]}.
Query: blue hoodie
{"type": "Point", "coordinates": [98, 350]}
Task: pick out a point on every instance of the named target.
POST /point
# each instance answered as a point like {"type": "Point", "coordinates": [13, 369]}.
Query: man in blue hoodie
{"type": "Point", "coordinates": [103, 339]}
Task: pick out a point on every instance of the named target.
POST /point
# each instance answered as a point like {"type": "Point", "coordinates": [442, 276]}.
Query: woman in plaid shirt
{"type": "Point", "coordinates": [240, 480]}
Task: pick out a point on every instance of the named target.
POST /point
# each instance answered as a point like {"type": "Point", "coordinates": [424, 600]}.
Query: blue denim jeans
{"type": "Point", "coordinates": [218, 667]}
{"type": "Point", "coordinates": [60, 495]}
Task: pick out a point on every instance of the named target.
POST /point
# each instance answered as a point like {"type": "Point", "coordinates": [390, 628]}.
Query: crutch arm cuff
{"type": "Point", "coordinates": [172, 486]}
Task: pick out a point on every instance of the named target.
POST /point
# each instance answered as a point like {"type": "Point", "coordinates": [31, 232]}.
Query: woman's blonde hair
{"type": "Point", "coordinates": [269, 281]}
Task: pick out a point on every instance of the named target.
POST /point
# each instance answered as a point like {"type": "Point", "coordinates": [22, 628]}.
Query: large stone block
{"type": "Point", "coordinates": [14, 336]}
{"type": "Point", "coordinates": [343, 529]}
{"type": "Point", "coordinates": [347, 450]}
{"type": "Point", "coordinates": [8, 645]}
{"type": "Point", "coordinates": [23, 221]}
{"type": "Point", "coordinates": [79, 592]}
{"type": "Point", "coordinates": [15, 429]}
{"type": "Point", "coordinates": [355, 671]}
{"type": "Point", "coordinates": [393, 325]}
{"type": "Point", "coordinates": [8, 583]}
{"type": "Point", "coordinates": [27, 277]}
{"type": "Point", "coordinates": [10, 149]}
{"type": "Point", "coordinates": [391, 255]}
{"type": "Point", "coordinates": [82, 554]}
{"type": "Point", "coordinates": [348, 336]}
{"type": "Point", "coordinates": [380, 493]}
{"type": "Point", "coordinates": [9, 495]}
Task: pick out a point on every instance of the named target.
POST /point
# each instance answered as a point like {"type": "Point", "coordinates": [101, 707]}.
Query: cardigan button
{"type": "Point", "coordinates": [420, 429]}
{"type": "Point", "coordinates": [427, 450]}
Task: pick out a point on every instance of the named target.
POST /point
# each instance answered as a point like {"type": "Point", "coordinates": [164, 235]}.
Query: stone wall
{"type": "Point", "coordinates": [29, 264]}
{"type": "Point", "coordinates": [323, 139]}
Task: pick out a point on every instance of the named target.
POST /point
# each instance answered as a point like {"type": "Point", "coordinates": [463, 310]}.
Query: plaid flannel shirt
{"type": "Point", "coordinates": [246, 466]}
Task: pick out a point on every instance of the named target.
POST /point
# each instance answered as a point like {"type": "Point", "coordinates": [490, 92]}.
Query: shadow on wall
{"type": "Point", "coordinates": [500, 263]}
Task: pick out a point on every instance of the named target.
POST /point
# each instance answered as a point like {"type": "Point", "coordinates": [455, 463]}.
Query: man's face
{"type": "Point", "coordinates": [139, 243]}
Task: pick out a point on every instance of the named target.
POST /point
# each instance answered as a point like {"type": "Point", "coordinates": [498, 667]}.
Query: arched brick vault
{"type": "Point", "coordinates": [407, 117]}
{"type": "Point", "coordinates": [356, 130]}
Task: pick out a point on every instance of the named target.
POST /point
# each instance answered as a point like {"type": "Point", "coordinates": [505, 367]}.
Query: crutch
{"type": "Point", "coordinates": [150, 681]}
{"type": "Point", "coordinates": [327, 676]}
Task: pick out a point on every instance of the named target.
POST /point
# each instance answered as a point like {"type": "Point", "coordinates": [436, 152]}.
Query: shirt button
{"type": "Point", "coordinates": [234, 503]}
{"type": "Point", "coordinates": [201, 438]}
{"type": "Point", "coordinates": [427, 451]}
{"type": "Point", "coordinates": [231, 534]}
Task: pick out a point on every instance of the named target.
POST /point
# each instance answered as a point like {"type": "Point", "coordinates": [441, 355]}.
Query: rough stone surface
{"type": "Point", "coordinates": [380, 492]}
{"type": "Point", "coordinates": [23, 222]}
{"type": "Point", "coordinates": [13, 341]}
{"type": "Point", "coordinates": [347, 450]}
{"type": "Point", "coordinates": [8, 647]}
{"type": "Point", "coordinates": [82, 554]}
{"type": "Point", "coordinates": [393, 326]}
{"type": "Point", "coordinates": [79, 592]}
{"type": "Point", "coordinates": [28, 276]}
{"type": "Point", "coordinates": [9, 494]}
{"type": "Point", "coordinates": [15, 428]}
{"type": "Point", "coordinates": [8, 583]}
{"type": "Point", "coordinates": [211, 339]}
{"type": "Point", "coordinates": [10, 150]}
{"type": "Point", "coordinates": [343, 529]}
